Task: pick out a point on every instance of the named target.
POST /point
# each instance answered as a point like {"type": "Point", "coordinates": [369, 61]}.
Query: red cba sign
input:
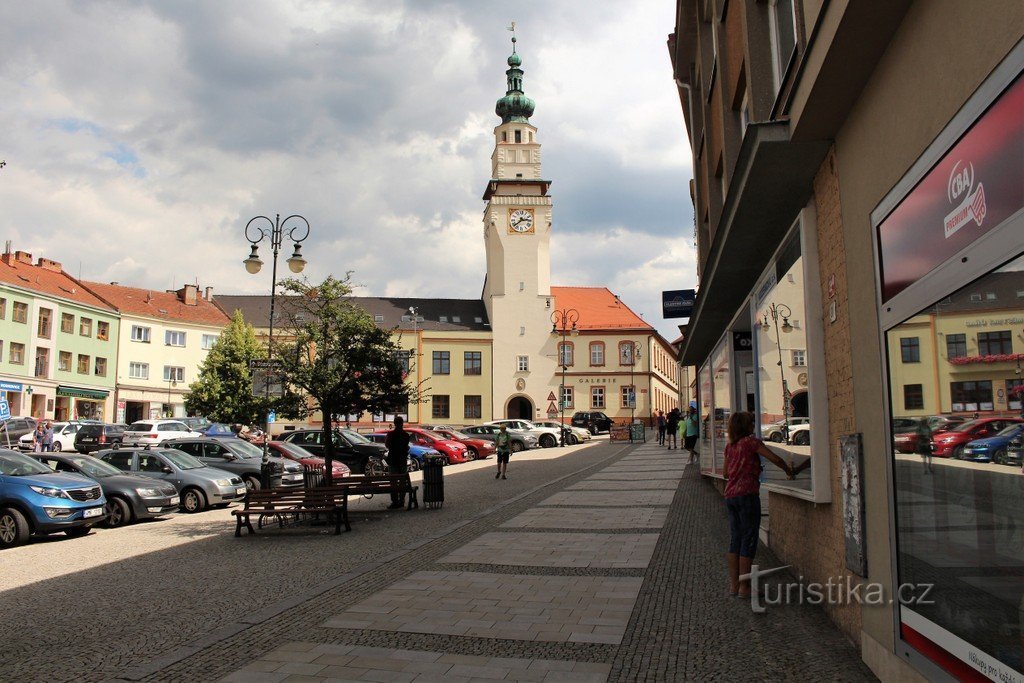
{"type": "Point", "coordinates": [977, 185]}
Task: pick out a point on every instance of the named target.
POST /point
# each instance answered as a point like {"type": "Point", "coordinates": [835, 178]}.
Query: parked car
{"type": "Point", "coordinates": [775, 431]}
{"type": "Point", "coordinates": [573, 435]}
{"type": "Point", "coordinates": [952, 443]}
{"type": "Point", "coordinates": [520, 441]}
{"type": "Point", "coordinates": [198, 485]}
{"type": "Point", "coordinates": [479, 449]}
{"type": "Point", "coordinates": [417, 453]}
{"type": "Point", "coordinates": [63, 437]}
{"type": "Point", "coordinates": [546, 437]}
{"type": "Point", "coordinates": [350, 447]}
{"type": "Point", "coordinates": [97, 436]}
{"type": "Point", "coordinates": [152, 432]}
{"type": "Point", "coordinates": [593, 421]}
{"type": "Point", "coordinates": [454, 451]}
{"type": "Point", "coordinates": [130, 497]}
{"type": "Point", "coordinates": [993, 448]}
{"type": "Point", "coordinates": [906, 442]}
{"type": "Point", "coordinates": [13, 429]}
{"type": "Point", "coordinates": [307, 459]}
{"type": "Point", "coordinates": [36, 500]}
{"type": "Point", "coordinates": [236, 456]}
{"type": "Point", "coordinates": [800, 435]}
{"type": "Point", "coordinates": [196, 424]}
{"type": "Point", "coordinates": [217, 430]}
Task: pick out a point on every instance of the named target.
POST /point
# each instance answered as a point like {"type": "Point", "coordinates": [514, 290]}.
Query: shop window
{"type": "Point", "coordinates": [20, 313]}
{"type": "Point", "coordinates": [956, 346]}
{"type": "Point", "coordinates": [439, 407]}
{"type": "Point", "coordinates": [64, 361]}
{"type": "Point", "coordinates": [442, 363]}
{"type": "Point", "coordinates": [473, 363]}
{"type": "Point", "coordinates": [597, 397]}
{"type": "Point", "coordinates": [83, 364]}
{"type": "Point", "coordinates": [67, 323]}
{"type": "Point", "coordinates": [597, 353]}
{"type": "Point", "coordinates": [474, 407]}
{"type": "Point", "coordinates": [910, 349]}
{"type": "Point", "coordinates": [85, 327]}
{"type": "Point", "coordinates": [913, 397]}
{"type": "Point", "coordinates": [103, 330]}
{"type": "Point", "coordinates": [565, 354]}
{"type": "Point", "coordinates": [971, 396]}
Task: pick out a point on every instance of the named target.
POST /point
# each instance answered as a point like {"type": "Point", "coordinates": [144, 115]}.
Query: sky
{"type": "Point", "coordinates": [140, 137]}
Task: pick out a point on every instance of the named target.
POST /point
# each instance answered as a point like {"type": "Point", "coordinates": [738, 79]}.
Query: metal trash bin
{"type": "Point", "coordinates": [433, 481]}
{"type": "Point", "coordinates": [270, 475]}
{"type": "Point", "coordinates": [312, 476]}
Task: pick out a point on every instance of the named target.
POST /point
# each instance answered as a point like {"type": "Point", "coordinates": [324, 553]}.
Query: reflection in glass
{"type": "Point", "coordinates": [782, 372]}
{"type": "Point", "coordinates": [721, 381]}
{"type": "Point", "coordinates": [707, 457]}
{"type": "Point", "coordinates": [959, 520]}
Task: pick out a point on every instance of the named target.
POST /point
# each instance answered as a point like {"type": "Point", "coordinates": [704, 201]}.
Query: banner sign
{"type": "Point", "coordinates": [678, 303]}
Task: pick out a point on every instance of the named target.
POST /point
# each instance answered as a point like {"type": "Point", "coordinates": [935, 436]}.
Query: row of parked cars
{"type": "Point", "coordinates": [989, 439]}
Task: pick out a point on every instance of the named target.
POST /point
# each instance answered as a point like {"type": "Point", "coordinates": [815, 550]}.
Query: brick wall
{"type": "Point", "coordinates": [806, 535]}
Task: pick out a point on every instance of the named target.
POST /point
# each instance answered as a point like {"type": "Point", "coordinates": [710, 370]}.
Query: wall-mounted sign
{"type": "Point", "coordinates": [678, 303]}
{"type": "Point", "coordinates": [741, 341]}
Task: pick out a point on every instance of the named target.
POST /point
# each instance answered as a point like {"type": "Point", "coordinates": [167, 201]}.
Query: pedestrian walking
{"type": "Point", "coordinates": [924, 443]}
{"type": "Point", "coordinates": [691, 429]}
{"type": "Point", "coordinates": [37, 439]}
{"type": "Point", "coordinates": [672, 428]}
{"type": "Point", "coordinates": [742, 496]}
{"type": "Point", "coordinates": [48, 437]}
{"type": "Point", "coordinates": [661, 427]}
{"type": "Point", "coordinates": [397, 442]}
{"type": "Point", "coordinates": [504, 443]}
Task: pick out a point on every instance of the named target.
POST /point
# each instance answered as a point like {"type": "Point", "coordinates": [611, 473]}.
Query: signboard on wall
{"type": "Point", "coordinates": [678, 303]}
{"type": "Point", "coordinates": [122, 405]}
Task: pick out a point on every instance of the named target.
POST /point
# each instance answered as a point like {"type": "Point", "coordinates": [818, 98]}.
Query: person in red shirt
{"type": "Point", "coordinates": [742, 496]}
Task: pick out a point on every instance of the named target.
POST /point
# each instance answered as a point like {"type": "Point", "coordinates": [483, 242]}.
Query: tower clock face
{"type": "Point", "coordinates": [520, 220]}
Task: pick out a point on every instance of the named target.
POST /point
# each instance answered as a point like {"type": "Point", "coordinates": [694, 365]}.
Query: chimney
{"type": "Point", "coordinates": [49, 265]}
{"type": "Point", "coordinates": [188, 295]}
{"type": "Point", "coordinates": [23, 257]}
{"type": "Point", "coordinates": [208, 294]}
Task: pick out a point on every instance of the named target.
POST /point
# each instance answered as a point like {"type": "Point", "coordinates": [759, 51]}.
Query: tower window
{"type": "Point", "coordinates": [519, 136]}
{"type": "Point", "coordinates": [529, 136]}
{"type": "Point", "coordinates": [519, 175]}
{"type": "Point", "coordinates": [504, 136]}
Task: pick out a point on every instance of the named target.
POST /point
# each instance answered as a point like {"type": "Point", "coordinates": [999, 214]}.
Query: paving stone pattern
{"type": "Point", "coordinates": [590, 518]}
{"type": "Point", "coordinates": [558, 550]}
{"type": "Point", "coordinates": [611, 498]}
{"type": "Point", "coordinates": [673, 623]}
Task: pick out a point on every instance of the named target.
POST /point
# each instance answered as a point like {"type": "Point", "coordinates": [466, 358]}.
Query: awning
{"type": "Point", "coordinates": [79, 392]}
{"type": "Point", "coordinates": [772, 182]}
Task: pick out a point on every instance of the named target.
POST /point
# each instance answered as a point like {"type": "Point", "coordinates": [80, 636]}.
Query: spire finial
{"type": "Point", "coordinates": [515, 106]}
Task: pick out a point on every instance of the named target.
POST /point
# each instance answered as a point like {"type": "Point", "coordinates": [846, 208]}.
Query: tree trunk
{"type": "Point", "coordinates": [327, 413]}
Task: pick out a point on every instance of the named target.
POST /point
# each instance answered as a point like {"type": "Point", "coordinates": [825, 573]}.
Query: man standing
{"type": "Point", "coordinates": [661, 427]}
{"type": "Point", "coordinates": [672, 428]}
{"type": "Point", "coordinates": [48, 437]}
{"type": "Point", "coordinates": [397, 442]}
{"type": "Point", "coordinates": [504, 443]}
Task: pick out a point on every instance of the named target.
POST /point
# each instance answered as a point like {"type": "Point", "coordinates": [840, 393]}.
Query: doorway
{"type": "Point", "coordinates": [520, 408]}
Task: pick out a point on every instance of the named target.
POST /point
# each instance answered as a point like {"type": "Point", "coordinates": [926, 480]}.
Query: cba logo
{"type": "Point", "coordinates": [972, 207]}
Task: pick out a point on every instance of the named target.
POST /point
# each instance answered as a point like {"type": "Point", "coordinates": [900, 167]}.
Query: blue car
{"type": "Point", "coordinates": [36, 500]}
{"type": "Point", "coordinates": [218, 430]}
{"type": "Point", "coordinates": [993, 448]}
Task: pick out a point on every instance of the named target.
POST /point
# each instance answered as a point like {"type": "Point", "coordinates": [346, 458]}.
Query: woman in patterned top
{"type": "Point", "coordinates": [742, 496]}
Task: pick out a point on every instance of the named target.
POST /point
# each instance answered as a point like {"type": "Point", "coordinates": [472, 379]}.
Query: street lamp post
{"type": "Point", "coordinates": [296, 229]}
{"type": "Point", "coordinates": [634, 353]}
{"type": "Point", "coordinates": [563, 322]}
{"type": "Point", "coordinates": [776, 311]}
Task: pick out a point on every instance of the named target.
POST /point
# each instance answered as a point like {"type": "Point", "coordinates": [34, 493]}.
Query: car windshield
{"type": "Point", "coordinates": [966, 426]}
{"type": "Point", "coordinates": [1011, 430]}
{"type": "Point", "coordinates": [244, 449]}
{"type": "Point", "coordinates": [141, 427]}
{"type": "Point", "coordinates": [293, 450]}
{"type": "Point", "coordinates": [183, 461]}
{"type": "Point", "coordinates": [460, 435]}
{"type": "Point", "coordinates": [18, 465]}
{"type": "Point", "coordinates": [354, 437]}
{"type": "Point", "coordinates": [94, 467]}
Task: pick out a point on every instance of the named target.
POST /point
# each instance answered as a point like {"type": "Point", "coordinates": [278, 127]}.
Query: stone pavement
{"type": "Point", "coordinates": [617, 584]}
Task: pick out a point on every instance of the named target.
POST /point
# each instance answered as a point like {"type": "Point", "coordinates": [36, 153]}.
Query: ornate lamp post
{"type": "Point", "coordinates": [776, 311]}
{"type": "Point", "coordinates": [563, 322]}
{"type": "Point", "coordinates": [634, 353]}
{"type": "Point", "coordinates": [296, 229]}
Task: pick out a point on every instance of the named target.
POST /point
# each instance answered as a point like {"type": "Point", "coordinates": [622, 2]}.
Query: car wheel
{"type": "Point", "coordinates": [516, 446]}
{"type": "Point", "coordinates": [593, 430]}
{"type": "Point", "coordinates": [78, 531]}
{"type": "Point", "coordinates": [776, 437]}
{"type": "Point", "coordinates": [13, 528]}
{"type": "Point", "coordinates": [193, 500]}
{"type": "Point", "coordinates": [119, 513]}
{"type": "Point", "coordinates": [802, 439]}
{"type": "Point", "coordinates": [999, 457]}
{"type": "Point", "coordinates": [572, 440]}
{"type": "Point", "coordinates": [548, 441]}
{"type": "Point", "coordinates": [414, 465]}
{"type": "Point", "coordinates": [252, 484]}
{"type": "Point", "coordinates": [958, 452]}
{"type": "Point", "coordinates": [57, 447]}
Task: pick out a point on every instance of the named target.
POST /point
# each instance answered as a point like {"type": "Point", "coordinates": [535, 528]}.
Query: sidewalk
{"type": "Point", "coordinates": [611, 573]}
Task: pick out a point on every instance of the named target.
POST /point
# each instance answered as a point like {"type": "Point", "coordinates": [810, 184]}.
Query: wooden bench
{"type": "Point", "coordinates": [369, 485]}
{"type": "Point", "coordinates": [292, 501]}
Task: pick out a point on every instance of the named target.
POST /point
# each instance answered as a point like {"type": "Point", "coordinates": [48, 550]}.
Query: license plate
{"type": "Point", "coordinates": [92, 512]}
{"type": "Point", "coordinates": [240, 491]}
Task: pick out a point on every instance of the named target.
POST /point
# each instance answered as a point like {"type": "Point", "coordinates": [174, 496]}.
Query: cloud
{"type": "Point", "coordinates": [141, 137]}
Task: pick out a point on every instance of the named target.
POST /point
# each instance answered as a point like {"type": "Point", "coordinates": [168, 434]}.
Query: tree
{"type": "Point", "coordinates": [331, 351]}
{"type": "Point", "coordinates": [223, 391]}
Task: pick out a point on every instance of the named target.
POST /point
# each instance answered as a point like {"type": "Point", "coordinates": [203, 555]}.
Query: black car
{"type": "Point", "coordinates": [15, 428]}
{"type": "Point", "coordinates": [238, 457]}
{"type": "Point", "coordinates": [593, 421]}
{"type": "Point", "coordinates": [130, 497]}
{"type": "Point", "coordinates": [94, 437]}
{"type": "Point", "coordinates": [350, 447]}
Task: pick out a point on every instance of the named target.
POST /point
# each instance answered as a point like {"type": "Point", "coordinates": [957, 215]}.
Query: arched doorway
{"type": "Point", "coordinates": [519, 408]}
{"type": "Point", "coordinates": [798, 404]}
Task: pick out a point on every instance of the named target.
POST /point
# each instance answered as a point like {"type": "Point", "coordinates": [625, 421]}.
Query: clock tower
{"type": "Point", "coordinates": [517, 236]}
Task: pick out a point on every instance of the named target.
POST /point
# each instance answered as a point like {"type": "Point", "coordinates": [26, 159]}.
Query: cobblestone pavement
{"type": "Point", "coordinates": [283, 606]}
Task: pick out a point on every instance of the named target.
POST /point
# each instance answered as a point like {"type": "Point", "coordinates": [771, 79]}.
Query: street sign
{"type": "Point", "coordinates": [265, 364]}
{"type": "Point", "coordinates": [551, 396]}
{"type": "Point", "coordinates": [5, 410]}
{"type": "Point", "coordinates": [266, 377]}
{"type": "Point", "coordinates": [678, 303]}
{"type": "Point", "coordinates": [271, 417]}
{"type": "Point", "coordinates": [551, 408]}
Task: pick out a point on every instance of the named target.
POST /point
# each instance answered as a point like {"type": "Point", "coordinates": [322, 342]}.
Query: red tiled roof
{"type": "Point", "coordinates": [162, 305]}
{"type": "Point", "coordinates": [49, 279]}
{"type": "Point", "coordinates": [599, 309]}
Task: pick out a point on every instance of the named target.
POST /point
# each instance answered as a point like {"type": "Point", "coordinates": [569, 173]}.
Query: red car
{"type": "Point", "coordinates": [301, 455]}
{"type": "Point", "coordinates": [453, 450]}
{"type": "Point", "coordinates": [906, 441]}
{"type": "Point", "coordinates": [479, 449]}
{"type": "Point", "coordinates": [951, 444]}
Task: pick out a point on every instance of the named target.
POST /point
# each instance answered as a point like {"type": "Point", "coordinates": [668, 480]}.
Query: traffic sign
{"type": "Point", "coordinates": [5, 410]}
{"type": "Point", "coordinates": [271, 417]}
{"type": "Point", "coordinates": [264, 364]}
